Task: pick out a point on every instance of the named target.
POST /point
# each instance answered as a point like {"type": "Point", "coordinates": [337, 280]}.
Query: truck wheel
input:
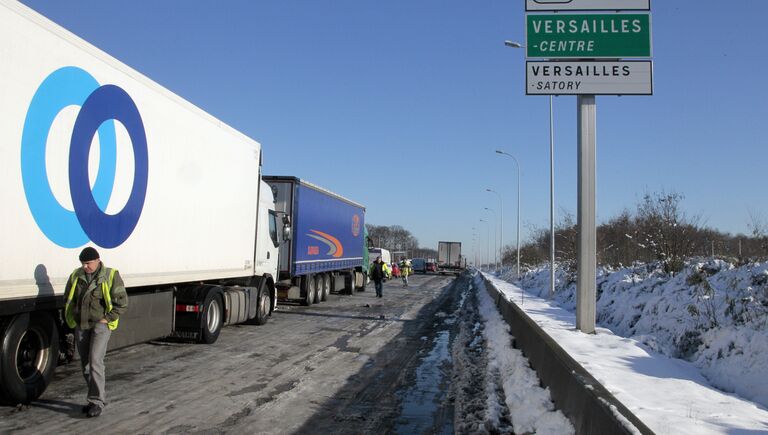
{"type": "Point", "coordinates": [361, 280]}
{"type": "Point", "coordinates": [308, 287]}
{"type": "Point", "coordinates": [349, 283]}
{"type": "Point", "coordinates": [212, 318]}
{"type": "Point", "coordinates": [30, 349]}
{"type": "Point", "coordinates": [262, 312]}
{"type": "Point", "coordinates": [318, 288]}
{"type": "Point", "coordinates": [326, 288]}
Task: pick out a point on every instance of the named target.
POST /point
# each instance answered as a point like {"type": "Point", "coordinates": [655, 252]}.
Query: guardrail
{"type": "Point", "coordinates": [588, 405]}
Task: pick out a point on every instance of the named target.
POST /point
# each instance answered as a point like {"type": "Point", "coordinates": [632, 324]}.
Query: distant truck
{"type": "Point", "coordinates": [325, 250]}
{"type": "Point", "coordinates": [385, 255]}
{"type": "Point", "coordinates": [449, 258]}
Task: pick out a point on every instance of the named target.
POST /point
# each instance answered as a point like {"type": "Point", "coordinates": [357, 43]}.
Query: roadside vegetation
{"type": "Point", "coordinates": [675, 286]}
{"type": "Point", "coordinates": [397, 239]}
{"type": "Point", "coordinates": [658, 230]}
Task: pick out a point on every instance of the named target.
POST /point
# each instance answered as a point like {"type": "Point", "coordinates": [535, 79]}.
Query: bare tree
{"type": "Point", "coordinates": [758, 228]}
{"type": "Point", "coordinates": [665, 230]}
{"type": "Point", "coordinates": [392, 238]}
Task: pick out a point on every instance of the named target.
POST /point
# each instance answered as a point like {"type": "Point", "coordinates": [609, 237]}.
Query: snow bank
{"type": "Point", "coordinates": [712, 314]}
{"type": "Point", "coordinates": [530, 406]}
{"type": "Point", "coordinates": [669, 395]}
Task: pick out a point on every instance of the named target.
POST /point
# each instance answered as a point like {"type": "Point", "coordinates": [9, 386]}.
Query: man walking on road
{"type": "Point", "coordinates": [405, 270]}
{"type": "Point", "coordinates": [96, 298]}
{"type": "Point", "coordinates": [377, 276]}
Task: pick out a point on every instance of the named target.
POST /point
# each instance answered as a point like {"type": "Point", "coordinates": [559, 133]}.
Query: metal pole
{"type": "Point", "coordinates": [517, 164]}
{"type": "Point", "coordinates": [479, 247]}
{"type": "Point", "coordinates": [586, 280]}
{"type": "Point", "coordinates": [495, 238]}
{"type": "Point", "coordinates": [501, 235]}
{"type": "Point", "coordinates": [488, 239]}
{"type": "Point", "coordinates": [501, 225]}
{"type": "Point", "coordinates": [518, 219]}
{"type": "Point", "coordinates": [551, 201]}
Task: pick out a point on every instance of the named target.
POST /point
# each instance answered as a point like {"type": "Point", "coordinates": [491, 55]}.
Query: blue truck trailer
{"type": "Point", "coordinates": [326, 250]}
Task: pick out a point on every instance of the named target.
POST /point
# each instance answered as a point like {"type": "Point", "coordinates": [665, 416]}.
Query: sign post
{"type": "Point", "coordinates": [586, 262]}
{"type": "Point", "coordinates": [584, 54]}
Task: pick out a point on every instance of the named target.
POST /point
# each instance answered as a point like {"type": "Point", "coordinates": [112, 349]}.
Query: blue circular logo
{"type": "Point", "coordinates": [99, 106]}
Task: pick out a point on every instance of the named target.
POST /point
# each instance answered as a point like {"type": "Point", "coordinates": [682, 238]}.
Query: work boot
{"type": "Point", "coordinates": [94, 411]}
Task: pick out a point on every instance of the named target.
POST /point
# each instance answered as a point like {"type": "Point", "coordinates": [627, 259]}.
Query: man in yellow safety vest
{"type": "Point", "coordinates": [95, 299]}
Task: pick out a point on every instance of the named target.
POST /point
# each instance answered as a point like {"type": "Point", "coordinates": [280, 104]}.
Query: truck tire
{"type": "Point", "coordinates": [349, 283]}
{"type": "Point", "coordinates": [361, 280]}
{"type": "Point", "coordinates": [30, 349]}
{"type": "Point", "coordinates": [212, 318]}
{"type": "Point", "coordinates": [326, 287]}
{"type": "Point", "coordinates": [318, 287]}
{"type": "Point", "coordinates": [308, 288]}
{"type": "Point", "coordinates": [262, 311]}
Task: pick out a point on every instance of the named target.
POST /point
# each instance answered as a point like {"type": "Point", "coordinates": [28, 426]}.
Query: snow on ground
{"type": "Point", "coordinates": [712, 314]}
{"type": "Point", "coordinates": [669, 395]}
{"type": "Point", "coordinates": [530, 406]}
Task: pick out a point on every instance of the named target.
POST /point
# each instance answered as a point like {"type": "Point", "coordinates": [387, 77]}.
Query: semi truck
{"type": "Point", "coordinates": [385, 255]}
{"type": "Point", "coordinates": [449, 258]}
{"type": "Point", "coordinates": [326, 251]}
{"type": "Point", "coordinates": [94, 153]}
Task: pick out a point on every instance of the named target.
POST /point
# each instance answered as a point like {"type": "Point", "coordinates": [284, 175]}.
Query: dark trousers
{"type": "Point", "coordinates": [379, 286]}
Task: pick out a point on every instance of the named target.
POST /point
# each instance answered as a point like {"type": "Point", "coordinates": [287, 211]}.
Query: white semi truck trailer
{"type": "Point", "coordinates": [93, 153]}
{"type": "Point", "coordinates": [449, 258]}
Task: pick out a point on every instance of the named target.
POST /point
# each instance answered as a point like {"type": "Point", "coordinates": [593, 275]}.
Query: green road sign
{"type": "Point", "coordinates": [552, 36]}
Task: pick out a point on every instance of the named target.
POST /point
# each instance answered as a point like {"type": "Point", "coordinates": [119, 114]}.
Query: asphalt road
{"type": "Point", "coordinates": [354, 364]}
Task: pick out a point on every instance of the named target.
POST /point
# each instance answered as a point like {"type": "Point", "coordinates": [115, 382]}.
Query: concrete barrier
{"type": "Point", "coordinates": [588, 405]}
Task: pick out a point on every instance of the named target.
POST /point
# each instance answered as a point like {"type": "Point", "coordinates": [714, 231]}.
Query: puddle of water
{"type": "Point", "coordinates": [422, 401]}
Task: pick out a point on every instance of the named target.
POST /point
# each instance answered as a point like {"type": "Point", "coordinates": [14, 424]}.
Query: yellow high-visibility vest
{"type": "Point", "coordinates": [106, 287]}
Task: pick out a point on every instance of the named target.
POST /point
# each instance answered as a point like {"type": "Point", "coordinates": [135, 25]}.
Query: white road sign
{"type": "Point", "coordinates": [589, 78]}
{"type": "Point", "coordinates": [587, 5]}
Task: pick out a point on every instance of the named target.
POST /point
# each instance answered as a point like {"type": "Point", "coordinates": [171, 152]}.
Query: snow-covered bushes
{"type": "Point", "coordinates": [711, 313]}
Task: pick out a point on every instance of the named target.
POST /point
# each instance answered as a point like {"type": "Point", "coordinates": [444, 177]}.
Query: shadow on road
{"type": "Point", "coordinates": [60, 406]}
{"type": "Point", "coordinates": [381, 318]}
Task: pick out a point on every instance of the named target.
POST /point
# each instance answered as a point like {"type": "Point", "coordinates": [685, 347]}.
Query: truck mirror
{"type": "Point", "coordinates": [287, 228]}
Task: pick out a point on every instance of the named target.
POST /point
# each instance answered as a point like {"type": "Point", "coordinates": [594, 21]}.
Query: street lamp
{"type": "Point", "coordinates": [514, 44]}
{"type": "Point", "coordinates": [501, 226]}
{"type": "Point", "coordinates": [488, 238]}
{"type": "Point", "coordinates": [495, 238]}
{"type": "Point", "coordinates": [517, 164]}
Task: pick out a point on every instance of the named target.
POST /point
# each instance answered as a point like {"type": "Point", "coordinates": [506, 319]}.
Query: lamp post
{"type": "Point", "coordinates": [551, 188]}
{"type": "Point", "coordinates": [495, 238]}
{"type": "Point", "coordinates": [488, 238]}
{"type": "Point", "coordinates": [517, 164]}
{"type": "Point", "coordinates": [501, 228]}
{"type": "Point", "coordinates": [474, 245]}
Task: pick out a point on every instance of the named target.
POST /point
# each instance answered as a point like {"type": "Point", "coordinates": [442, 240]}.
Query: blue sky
{"type": "Point", "coordinates": [399, 105]}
